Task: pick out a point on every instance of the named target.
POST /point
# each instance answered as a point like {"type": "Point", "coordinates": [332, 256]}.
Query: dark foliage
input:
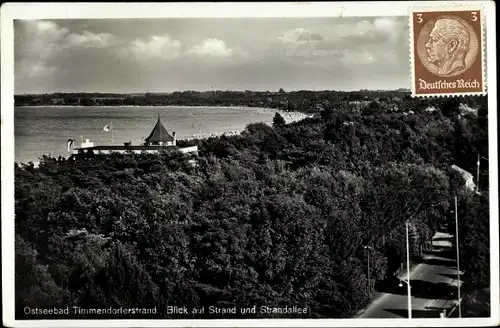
{"type": "Point", "coordinates": [277, 216]}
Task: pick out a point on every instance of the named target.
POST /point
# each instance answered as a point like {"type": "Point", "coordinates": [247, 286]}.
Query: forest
{"type": "Point", "coordinates": [304, 101]}
{"type": "Point", "coordinates": [277, 216]}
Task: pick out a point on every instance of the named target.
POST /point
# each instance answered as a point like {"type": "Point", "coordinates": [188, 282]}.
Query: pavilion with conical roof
{"type": "Point", "coordinates": [159, 140]}
{"type": "Point", "coordinates": [159, 136]}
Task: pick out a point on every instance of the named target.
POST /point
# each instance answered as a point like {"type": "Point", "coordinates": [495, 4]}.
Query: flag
{"type": "Point", "coordinates": [107, 128]}
{"type": "Point", "coordinates": [70, 144]}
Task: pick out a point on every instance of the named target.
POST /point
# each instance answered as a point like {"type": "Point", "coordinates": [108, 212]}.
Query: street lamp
{"type": "Point", "coordinates": [368, 282]}
{"type": "Point", "coordinates": [401, 282]}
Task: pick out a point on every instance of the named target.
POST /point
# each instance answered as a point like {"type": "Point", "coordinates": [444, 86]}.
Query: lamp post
{"type": "Point", "coordinates": [407, 282]}
{"type": "Point", "coordinates": [368, 248]}
{"type": "Point", "coordinates": [458, 258]}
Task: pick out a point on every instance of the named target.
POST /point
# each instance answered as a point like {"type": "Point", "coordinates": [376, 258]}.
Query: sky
{"type": "Point", "coordinates": [177, 54]}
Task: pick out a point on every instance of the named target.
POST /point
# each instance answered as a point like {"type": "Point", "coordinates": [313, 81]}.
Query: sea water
{"type": "Point", "coordinates": [46, 129]}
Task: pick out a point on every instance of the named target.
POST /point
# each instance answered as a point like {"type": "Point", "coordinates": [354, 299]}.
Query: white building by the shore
{"type": "Point", "coordinates": [158, 140]}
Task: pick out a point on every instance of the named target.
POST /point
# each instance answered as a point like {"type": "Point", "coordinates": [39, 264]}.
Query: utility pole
{"type": "Point", "coordinates": [369, 285]}
{"type": "Point", "coordinates": [368, 249]}
{"type": "Point", "coordinates": [458, 258]}
{"type": "Point", "coordinates": [478, 163]}
{"type": "Point", "coordinates": [408, 271]}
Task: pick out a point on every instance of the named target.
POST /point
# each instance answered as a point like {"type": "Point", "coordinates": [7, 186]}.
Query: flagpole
{"type": "Point", "coordinates": [159, 126]}
{"type": "Point", "coordinates": [112, 133]}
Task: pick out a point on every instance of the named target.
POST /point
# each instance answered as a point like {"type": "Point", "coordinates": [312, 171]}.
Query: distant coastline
{"type": "Point", "coordinates": [150, 106]}
{"type": "Point", "coordinates": [293, 101]}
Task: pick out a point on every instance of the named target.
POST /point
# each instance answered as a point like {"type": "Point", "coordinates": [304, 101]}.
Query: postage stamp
{"type": "Point", "coordinates": [447, 51]}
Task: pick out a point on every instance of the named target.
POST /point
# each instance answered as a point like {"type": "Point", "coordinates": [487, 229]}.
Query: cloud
{"type": "Point", "coordinates": [41, 39]}
{"type": "Point", "coordinates": [161, 47]}
{"type": "Point", "coordinates": [358, 57]}
{"type": "Point", "coordinates": [215, 48]}
{"type": "Point", "coordinates": [91, 40]}
{"type": "Point", "coordinates": [46, 37]}
{"type": "Point", "coordinates": [300, 35]}
{"type": "Point", "coordinates": [391, 27]}
{"type": "Point", "coordinates": [38, 69]}
{"type": "Point", "coordinates": [298, 42]}
{"type": "Point", "coordinates": [41, 42]}
{"type": "Point", "coordinates": [38, 43]}
{"type": "Point", "coordinates": [351, 42]}
{"type": "Point", "coordinates": [384, 30]}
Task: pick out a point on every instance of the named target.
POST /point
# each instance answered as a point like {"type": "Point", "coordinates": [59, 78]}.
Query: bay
{"type": "Point", "coordinates": [45, 130]}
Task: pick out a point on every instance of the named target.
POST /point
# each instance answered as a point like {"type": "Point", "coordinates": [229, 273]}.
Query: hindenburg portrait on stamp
{"type": "Point", "coordinates": [448, 45]}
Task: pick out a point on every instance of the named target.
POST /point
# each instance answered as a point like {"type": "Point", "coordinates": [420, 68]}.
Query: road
{"type": "Point", "coordinates": [433, 286]}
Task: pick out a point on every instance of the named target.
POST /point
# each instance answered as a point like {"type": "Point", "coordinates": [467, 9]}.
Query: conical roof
{"type": "Point", "coordinates": [159, 134]}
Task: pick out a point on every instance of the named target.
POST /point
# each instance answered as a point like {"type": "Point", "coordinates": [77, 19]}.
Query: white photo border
{"type": "Point", "coordinates": [12, 11]}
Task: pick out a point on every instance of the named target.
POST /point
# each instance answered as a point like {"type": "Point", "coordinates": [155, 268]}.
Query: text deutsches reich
{"type": "Point", "coordinates": [443, 84]}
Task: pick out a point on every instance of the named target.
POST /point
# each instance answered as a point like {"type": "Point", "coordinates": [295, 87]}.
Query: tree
{"type": "Point", "coordinates": [35, 287]}
{"type": "Point", "coordinates": [450, 107]}
{"type": "Point", "coordinates": [372, 108]}
{"type": "Point", "coordinates": [278, 120]}
{"type": "Point", "coordinates": [473, 236]}
{"type": "Point", "coordinates": [327, 114]}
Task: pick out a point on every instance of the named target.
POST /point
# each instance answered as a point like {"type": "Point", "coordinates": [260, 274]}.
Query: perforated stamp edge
{"type": "Point", "coordinates": [482, 37]}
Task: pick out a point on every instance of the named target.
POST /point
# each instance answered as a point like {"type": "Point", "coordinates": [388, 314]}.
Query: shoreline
{"type": "Point", "coordinates": [289, 116]}
{"type": "Point", "coordinates": [269, 109]}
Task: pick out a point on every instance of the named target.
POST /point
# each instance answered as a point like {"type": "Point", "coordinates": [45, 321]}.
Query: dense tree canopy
{"type": "Point", "coordinates": [276, 216]}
